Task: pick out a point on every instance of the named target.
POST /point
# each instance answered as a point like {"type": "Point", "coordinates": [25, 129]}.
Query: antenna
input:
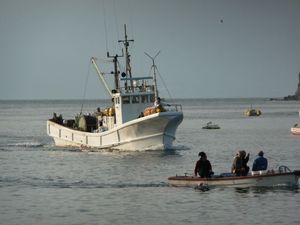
{"type": "Point", "coordinates": [154, 72]}
{"type": "Point", "coordinates": [126, 42]}
{"type": "Point", "coordinates": [116, 72]}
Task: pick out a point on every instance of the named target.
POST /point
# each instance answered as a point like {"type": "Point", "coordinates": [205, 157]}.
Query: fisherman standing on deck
{"type": "Point", "coordinates": [159, 106]}
{"type": "Point", "coordinates": [157, 102]}
{"type": "Point", "coordinates": [260, 163]}
{"type": "Point", "coordinates": [203, 166]}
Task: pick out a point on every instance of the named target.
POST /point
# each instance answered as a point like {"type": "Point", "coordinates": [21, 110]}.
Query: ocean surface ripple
{"type": "Point", "coordinates": [44, 184]}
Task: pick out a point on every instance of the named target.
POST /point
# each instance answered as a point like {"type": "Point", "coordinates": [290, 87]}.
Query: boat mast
{"type": "Point", "coordinates": [116, 72]}
{"type": "Point", "coordinates": [127, 58]}
{"type": "Point", "coordinates": [154, 73]}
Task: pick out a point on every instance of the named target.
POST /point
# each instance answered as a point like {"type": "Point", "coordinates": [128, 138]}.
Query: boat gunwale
{"type": "Point", "coordinates": [223, 178]}
{"type": "Point", "coordinates": [129, 123]}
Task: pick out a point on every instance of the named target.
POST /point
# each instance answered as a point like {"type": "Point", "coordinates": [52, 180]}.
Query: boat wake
{"type": "Point", "coordinates": [22, 145]}
{"type": "Point", "coordinates": [115, 150]}
{"type": "Point", "coordinates": [120, 185]}
{"type": "Point", "coordinates": [50, 183]}
{"type": "Point", "coordinates": [27, 144]}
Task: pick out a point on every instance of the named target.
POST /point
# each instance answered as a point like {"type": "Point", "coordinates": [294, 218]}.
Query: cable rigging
{"type": "Point", "coordinates": [155, 69]}
{"type": "Point", "coordinates": [85, 87]}
{"type": "Point", "coordinates": [105, 25]}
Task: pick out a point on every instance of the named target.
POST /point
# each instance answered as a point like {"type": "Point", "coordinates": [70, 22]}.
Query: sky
{"type": "Point", "coordinates": [209, 48]}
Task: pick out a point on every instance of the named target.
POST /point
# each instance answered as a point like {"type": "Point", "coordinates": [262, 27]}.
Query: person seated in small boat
{"type": "Point", "coordinates": [260, 163]}
{"type": "Point", "coordinates": [203, 166]}
{"type": "Point", "coordinates": [239, 165]}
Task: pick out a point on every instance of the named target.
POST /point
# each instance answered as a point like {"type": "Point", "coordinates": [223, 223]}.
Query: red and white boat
{"type": "Point", "coordinates": [295, 130]}
{"type": "Point", "coordinates": [283, 177]}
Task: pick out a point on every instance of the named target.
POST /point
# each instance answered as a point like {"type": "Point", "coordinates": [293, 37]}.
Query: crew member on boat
{"type": "Point", "coordinates": [157, 102]}
{"type": "Point", "coordinates": [260, 163]}
{"type": "Point", "coordinates": [160, 105]}
{"type": "Point", "coordinates": [203, 166]}
{"type": "Point", "coordinates": [57, 119]}
{"type": "Point", "coordinates": [239, 165]}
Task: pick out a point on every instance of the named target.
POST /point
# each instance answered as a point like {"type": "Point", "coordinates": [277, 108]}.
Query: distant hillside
{"type": "Point", "coordinates": [296, 96]}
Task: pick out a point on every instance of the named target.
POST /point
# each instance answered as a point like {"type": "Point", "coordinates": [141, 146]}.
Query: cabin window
{"type": "Point", "coordinates": [116, 100]}
{"type": "Point", "coordinates": [135, 99]}
{"type": "Point", "coordinates": [152, 98]}
{"type": "Point", "coordinates": [144, 98]}
{"type": "Point", "coordinates": [126, 99]}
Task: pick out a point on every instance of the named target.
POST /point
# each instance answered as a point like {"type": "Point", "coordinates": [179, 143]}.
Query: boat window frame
{"type": "Point", "coordinates": [135, 99]}
{"type": "Point", "coordinates": [126, 99]}
{"type": "Point", "coordinates": [152, 98]}
{"type": "Point", "coordinates": [144, 99]}
{"type": "Point", "coordinates": [117, 100]}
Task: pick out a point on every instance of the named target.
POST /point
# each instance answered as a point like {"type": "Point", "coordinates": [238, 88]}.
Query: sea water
{"type": "Point", "coordinates": [43, 184]}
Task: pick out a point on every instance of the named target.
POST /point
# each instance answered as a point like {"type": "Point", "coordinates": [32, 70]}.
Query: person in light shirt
{"type": "Point", "coordinates": [239, 165]}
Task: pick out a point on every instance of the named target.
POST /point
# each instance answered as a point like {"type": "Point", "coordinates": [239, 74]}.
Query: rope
{"type": "Point", "coordinates": [163, 82]}
{"type": "Point", "coordinates": [164, 85]}
{"type": "Point", "coordinates": [116, 20]}
{"type": "Point", "coordinates": [121, 67]}
{"type": "Point", "coordinates": [105, 25]}
{"type": "Point", "coordinates": [131, 19]}
{"type": "Point", "coordinates": [85, 85]}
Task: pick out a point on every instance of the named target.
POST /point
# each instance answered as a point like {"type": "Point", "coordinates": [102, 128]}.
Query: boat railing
{"type": "Point", "coordinates": [284, 169]}
{"type": "Point", "coordinates": [137, 89]}
{"type": "Point", "coordinates": [173, 107]}
{"type": "Point", "coordinates": [139, 84]}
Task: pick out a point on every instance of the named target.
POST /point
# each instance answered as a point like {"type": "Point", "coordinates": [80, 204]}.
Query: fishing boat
{"type": "Point", "coordinates": [252, 112]}
{"type": "Point", "coordinates": [295, 130]}
{"type": "Point", "coordinates": [210, 126]}
{"type": "Point", "coordinates": [136, 119]}
{"type": "Point", "coordinates": [282, 177]}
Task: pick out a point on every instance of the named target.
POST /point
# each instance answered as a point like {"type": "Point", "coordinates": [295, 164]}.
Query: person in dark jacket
{"type": "Point", "coordinates": [203, 167]}
{"type": "Point", "coordinates": [260, 163]}
{"type": "Point", "coordinates": [239, 165]}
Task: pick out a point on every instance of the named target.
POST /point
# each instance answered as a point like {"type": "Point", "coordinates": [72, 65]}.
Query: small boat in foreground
{"type": "Point", "coordinates": [295, 130]}
{"type": "Point", "coordinates": [283, 177]}
{"type": "Point", "coordinates": [210, 125]}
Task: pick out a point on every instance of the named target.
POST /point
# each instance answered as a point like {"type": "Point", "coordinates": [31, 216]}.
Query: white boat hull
{"type": "Point", "coordinates": [153, 132]}
{"type": "Point", "coordinates": [295, 130]}
{"type": "Point", "coordinates": [266, 180]}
